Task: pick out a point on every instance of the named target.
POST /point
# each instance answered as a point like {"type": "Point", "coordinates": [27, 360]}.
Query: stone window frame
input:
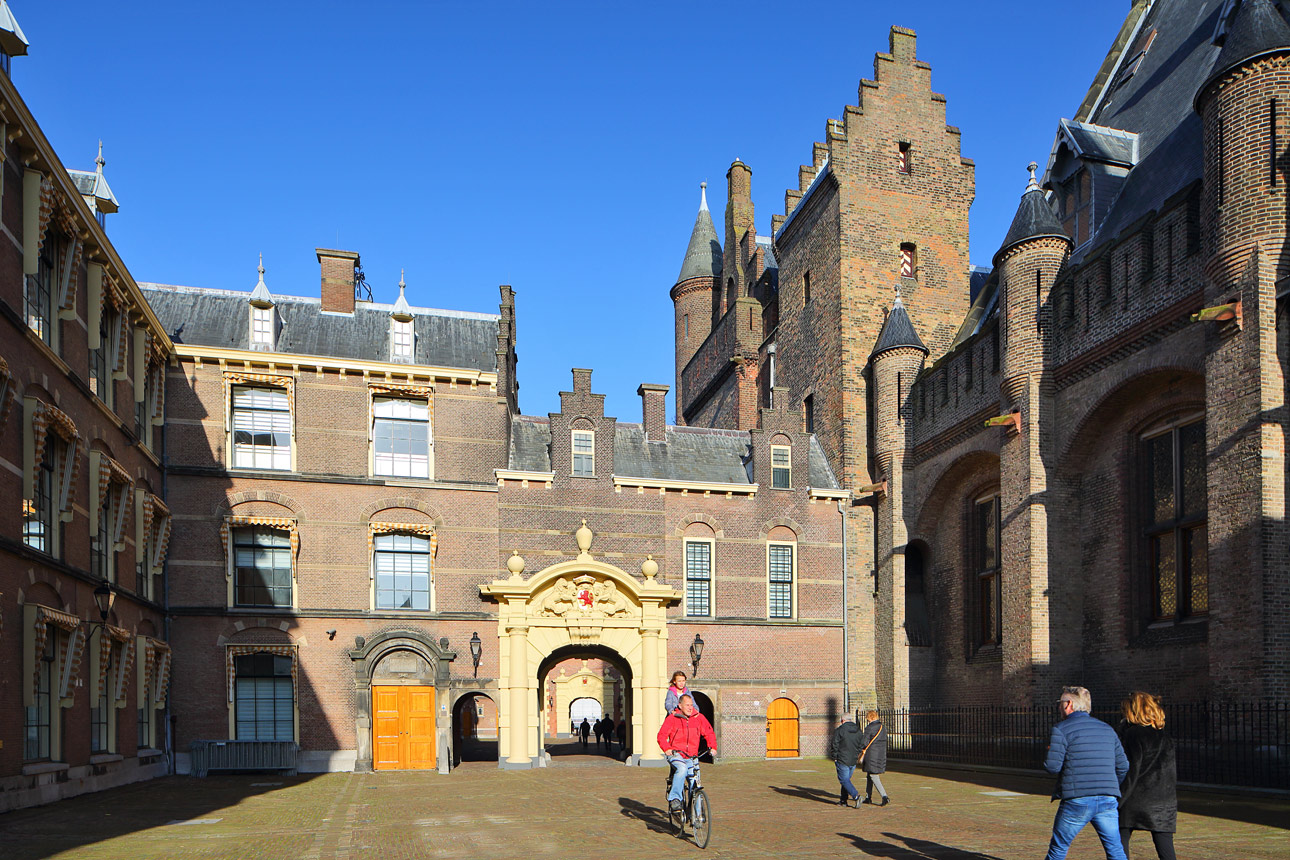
{"type": "Point", "coordinates": [711, 543]}
{"type": "Point", "coordinates": [152, 688]}
{"type": "Point", "coordinates": [69, 646]}
{"type": "Point", "coordinates": [793, 574]}
{"type": "Point", "coordinates": [1178, 524]}
{"type": "Point", "coordinates": [400, 391]}
{"type": "Point", "coordinates": [785, 469]}
{"type": "Point", "coordinates": [112, 498]}
{"type": "Point", "coordinates": [375, 529]}
{"type": "Point", "coordinates": [41, 420]}
{"type": "Point", "coordinates": [288, 524]}
{"type": "Point", "coordinates": [152, 538]}
{"type": "Point", "coordinates": [234, 380]}
{"type": "Point", "coordinates": [111, 658]}
{"type": "Point", "coordinates": [234, 650]}
{"type": "Point", "coordinates": [589, 458]}
{"type": "Point", "coordinates": [978, 575]}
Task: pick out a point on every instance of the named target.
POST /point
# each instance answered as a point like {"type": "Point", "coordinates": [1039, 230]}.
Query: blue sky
{"type": "Point", "coordinates": [555, 147]}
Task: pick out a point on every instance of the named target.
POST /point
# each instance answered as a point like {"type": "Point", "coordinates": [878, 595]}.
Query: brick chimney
{"type": "Point", "coordinates": [337, 279]}
{"type": "Point", "coordinates": [654, 409]}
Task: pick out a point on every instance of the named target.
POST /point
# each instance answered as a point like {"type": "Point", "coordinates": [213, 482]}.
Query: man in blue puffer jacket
{"type": "Point", "coordinates": [1087, 756]}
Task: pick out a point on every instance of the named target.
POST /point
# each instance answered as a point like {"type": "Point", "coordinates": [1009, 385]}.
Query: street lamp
{"type": "Point", "coordinates": [104, 597]}
{"type": "Point", "coordinates": [696, 654]}
{"type": "Point", "coordinates": [476, 651]}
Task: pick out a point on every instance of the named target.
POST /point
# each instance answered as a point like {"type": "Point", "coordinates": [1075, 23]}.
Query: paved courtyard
{"type": "Point", "coordinates": [588, 807]}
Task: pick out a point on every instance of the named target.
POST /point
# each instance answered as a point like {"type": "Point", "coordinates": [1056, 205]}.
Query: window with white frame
{"type": "Point", "coordinates": [264, 706]}
{"type": "Point", "coordinates": [781, 471]}
{"type": "Point", "coordinates": [780, 569]}
{"type": "Point", "coordinates": [261, 567]}
{"type": "Point", "coordinates": [698, 578]}
{"type": "Point", "coordinates": [584, 453]}
{"type": "Point", "coordinates": [261, 428]}
{"type": "Point", "coordinates": [402, 570]}
{"type": "Point", "coordinates": [400, 437]}
{"type": "Point", "coordinates": [262, 328]}
{"type": "Point", "coordinates": [401, 340]}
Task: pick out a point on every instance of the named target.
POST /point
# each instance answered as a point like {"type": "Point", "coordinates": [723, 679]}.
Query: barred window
{"type": "Point", "coordinates": [698, 578]}
{"type": "Point", "coordinates": [262, 567]}
{"type": "Point", "coordinates": [1174, 513]}
{"type": "Point", "coordinates": [584, 453]}
{"type": "Point", "coordinates": [402, 571]}
{"type": "Point", "coordinates": [261, 428]}
{"type": "Point", "coordinates": [780, 566]}
{"type": "Point", "coordinates": [401, 437]}
{"type": "Point", "coordinates": [264, 702]}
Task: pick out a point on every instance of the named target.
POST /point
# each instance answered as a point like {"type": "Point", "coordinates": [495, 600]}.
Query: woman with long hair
{"type": "Point", "coordinates": [1149, 793]}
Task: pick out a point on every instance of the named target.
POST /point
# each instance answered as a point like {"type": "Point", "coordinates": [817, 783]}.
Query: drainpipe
{"type": "Point", "coordinates": [846, 650]}
{"type": "Point", "coordinates": [165, 594]}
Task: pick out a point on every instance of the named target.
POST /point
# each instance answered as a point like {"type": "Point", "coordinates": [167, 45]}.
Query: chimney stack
{"type": "Point", "coordinates": [654, 409]}
{"type": "Point", "coordinates": [337, 279]}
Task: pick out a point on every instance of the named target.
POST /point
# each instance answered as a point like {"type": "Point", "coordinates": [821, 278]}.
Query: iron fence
{"type": "Point", "coordinates": [1245, 744]}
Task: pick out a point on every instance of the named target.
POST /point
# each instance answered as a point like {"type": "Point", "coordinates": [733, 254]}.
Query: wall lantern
{"type": "Point", "coordinates": [104, 597]}
{"type": "Point", "coordinates": [696, 654]}
{"type": "Point", "coordinates": [476, 651]}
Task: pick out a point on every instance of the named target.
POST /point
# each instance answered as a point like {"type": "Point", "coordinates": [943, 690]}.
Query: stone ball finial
{"type": "Point", "coordinates": [649, 568]}
{"type": "Point", "coordinates": [515, 564]}
{"type": "Point", "coordinates": [583, 537]}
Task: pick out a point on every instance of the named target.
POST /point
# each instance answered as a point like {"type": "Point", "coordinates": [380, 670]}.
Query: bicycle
{"type": "Point", "coordinates": [694, 810]}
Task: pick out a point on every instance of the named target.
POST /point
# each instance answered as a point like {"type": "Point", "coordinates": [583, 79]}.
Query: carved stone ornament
{"type": "Point", "coordinates": [584, 597]}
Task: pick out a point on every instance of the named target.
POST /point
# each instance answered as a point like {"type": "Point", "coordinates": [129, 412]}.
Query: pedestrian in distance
{"type": "Point", "coordinates": [873, 757]}
{"type": "Point", "coordinates": [674, 693]}
{"type": "Point", "coordinates": [607, 729]}
{"type": "Point", "coordinates": [584, 730]}
{"type": "Point", "coordinates": [1086, 756]}
{"type": "Point", "coordinates": [844, 749]}
{"type": "Point", "coordinates": [598, 729]}
{"type": "Point", "coordinates": [1149, 793]}
{"type": "Point", "coordinates": [622, 735]}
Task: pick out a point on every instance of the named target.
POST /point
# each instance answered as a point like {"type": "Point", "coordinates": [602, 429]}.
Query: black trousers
{"type": "Point", "coordinates": [1164, 842]}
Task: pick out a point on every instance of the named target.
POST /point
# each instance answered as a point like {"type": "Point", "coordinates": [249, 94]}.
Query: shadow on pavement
{"type": "Point", "coordinates": [653, 818]}
{"type": "Point", "coordinates": [806, 793]}
{"type": "Point", "coordinates": [913, 849]}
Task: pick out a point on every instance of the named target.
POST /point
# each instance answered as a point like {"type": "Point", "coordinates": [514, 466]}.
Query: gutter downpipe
{"type": "Point", "coordinates": [846, 650]}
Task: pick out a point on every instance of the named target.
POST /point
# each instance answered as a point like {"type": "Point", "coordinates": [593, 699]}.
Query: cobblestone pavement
{"type": "Point", "coordinates": [587, 806]}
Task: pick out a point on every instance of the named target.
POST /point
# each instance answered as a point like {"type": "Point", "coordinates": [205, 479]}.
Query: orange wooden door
{"type": "Point", "coordinates": [403, 728]}
{"type": "Point", "coordinates": [387, 736]}
{"type": "Point", "coordinates": [781, 729]}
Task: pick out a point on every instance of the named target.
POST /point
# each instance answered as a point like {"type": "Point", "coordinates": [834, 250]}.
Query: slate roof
{"type": "Point", "coordinates": [897, 331]}
{"type": "Point", "coordinates": [703, 255]}
{"type": "Point", "coordinates": [1034, 218]}
{"type": "Point", "coordinates": [688, 454]}
{"type": "Point", "coordinates": [220, 318]}
{"type": "Point", "coordinates": [1257, 29]}
{"type": "Point", "coordinates": [1098, 143]}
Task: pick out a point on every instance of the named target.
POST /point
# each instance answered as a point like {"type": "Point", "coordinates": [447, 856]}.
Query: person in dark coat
{"type": "Point", "coordinates": [584, 729]}
{"type": "Point", "coordinates": [1149, 793]}
{"type": "Point", "coordinates": [873, 746]}
{"type": "Point", "coordinates": [844, 749]}
{"type": "Point", "coordinates": [622, 735]}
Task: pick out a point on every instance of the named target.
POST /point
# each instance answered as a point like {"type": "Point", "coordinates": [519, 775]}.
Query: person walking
{"type": "Point", "coordinates": [679, 738]}
{"type": "Point", "coordinates": [873, 757]}
{"type": "Point", "coordinates": [584, 730]}
{"type": "Point", "coordinates": [622, 735]}
{"type": "Point", "coordinates": [844, 749]}
{"type": "Point", "coordinates": [1089, 762]}
{"type": "Point", "coordinates": [598, 729]}
{"type": "Point", "coordinates": [1149, 793]}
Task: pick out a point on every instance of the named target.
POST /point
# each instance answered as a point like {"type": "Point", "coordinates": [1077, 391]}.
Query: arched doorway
{"type": "Point", "coordinates": [474, 728]}
{"type": "Point", "coordinates": [586, 708]}
{"type": "Point", "coordinates": [781, 729]}
{"type": "Point", "coordinates": [704, 704]}
{"type": "Point", "coordinates": [601, 686]}
{"type": "Point", "coordinates": [571, 608]}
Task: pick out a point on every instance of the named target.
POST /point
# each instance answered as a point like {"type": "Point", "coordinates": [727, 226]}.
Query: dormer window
{"type": "Point", "coordinates": [263, 316]}
{"type": "Point", "coordinates": [584, 453]}
{"type": "Point", "coordinates": [402, 338]}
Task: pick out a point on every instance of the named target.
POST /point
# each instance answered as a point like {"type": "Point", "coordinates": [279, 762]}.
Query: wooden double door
{"type": "Point", "coordinates": [403, 727]}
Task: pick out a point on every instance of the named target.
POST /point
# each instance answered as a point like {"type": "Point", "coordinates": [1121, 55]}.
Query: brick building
{"type": "Point", "coordinates": [893, 478]}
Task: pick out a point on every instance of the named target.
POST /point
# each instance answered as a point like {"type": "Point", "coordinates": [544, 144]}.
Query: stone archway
{"type": "Point", "coordinates": [578, 604]}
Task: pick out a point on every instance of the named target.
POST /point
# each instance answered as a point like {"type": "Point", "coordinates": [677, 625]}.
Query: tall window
{"type": "Point", "coordinates": [101, 544]}
{"type": "Point", "coordinates": [780, 569]}
{"type": "Point", "coordinates": [584, 453]}
{"type": "Point", "coordinates": [101, 359]}
{"type": "Point", "coordinates": [38, 512]}
{"type": "Point", "coordinates": [808, 411]}
{"type": "Point", "coordinates": [985, 557]}
{"type": "Point", "coordinates": [400, 340]}
{"type": "Point", "coordinates": [261, 328]}
{"type": "Point", "coordinates": [1175, 513]}
{"type": "Point", "coordinates": [264, 700]}
{"type": "Point", "coordinates": [698, 577]}
{"type": "Point", "coordinates": [261, 567]}
{"type": "Point", "coordinates": [39, 306]}
{"type": "Point", "coordinates": [903, 157]}
{"type": "Point", "coordinates": [806, 288]}
{"type": "Point", "coordinates": [402, 570]}
{"type": "Point", "coordinates": [908, 260]}
{"type": "Point", "coordinates": [401, 437]}
{"type": "Point", "coordinates": [145, 718]}
{"type": "Point", "coordinates": [39, 716]}
{"type": "Point", "coordinates": [261, 428]}
{"type": "Point", "coordinates": [781, 472]}
{"type": "Point", "coordinates": [100, 741]}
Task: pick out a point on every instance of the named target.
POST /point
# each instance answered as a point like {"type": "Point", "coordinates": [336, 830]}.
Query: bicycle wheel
{"type": "Point", "coordinates": [701, 817]}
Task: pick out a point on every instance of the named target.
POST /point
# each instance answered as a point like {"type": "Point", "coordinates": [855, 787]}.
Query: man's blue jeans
{"type": "Point", "coordinates": [844, 778]}
{"type": "Point", "coordinates": [1102, 810]}
{"type": "Point", "coordinates": [681, 767]}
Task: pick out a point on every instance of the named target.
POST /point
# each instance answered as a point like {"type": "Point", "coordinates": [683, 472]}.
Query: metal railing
{"type": "Point", "coordinates": [243, 755]}
{"type": "Point", "coordinates": [1245, 744]}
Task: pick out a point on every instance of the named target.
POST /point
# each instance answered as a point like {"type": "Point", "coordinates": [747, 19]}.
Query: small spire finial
{"type": "Point", "coordinates": [100, 160]}
{"type": "Point", "coordinates": [260, 268]}
{"type": "Point", "coordinates": [401, 283]}
{"type": "Point", "coordinates": [898, 301]}
{"type": "Point", "coordinates": [703, 195]}
{"type": "Point", "coordinates": [1033, 185]}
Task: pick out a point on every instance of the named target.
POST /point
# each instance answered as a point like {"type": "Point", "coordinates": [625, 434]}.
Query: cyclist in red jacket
{"type": "Point", "coordinates": [679, 740]}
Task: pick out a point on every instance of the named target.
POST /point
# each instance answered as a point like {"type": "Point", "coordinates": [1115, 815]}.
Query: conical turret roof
{"type": "Point", "coordinates": [260, 296]}
{"type": "Point", "coordinates": [897, 331]}
{"type": "Point", "coordinates": [1257, 29]}
{"type": "Point", "coordinates": [1034, 218]}
{"type": "Point", "coordinates": [703, 256]}
{"type": "Point", "coordinates": [402, 311]}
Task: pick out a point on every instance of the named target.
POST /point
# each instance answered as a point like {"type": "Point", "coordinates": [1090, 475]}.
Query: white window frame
{"type": "Point", "coordinates": [402, 340]}
{"type": "Point", "coordinates": [276, 453]}
{"type": "Point", "coordinates": [263, 325]}
{"type": "Point", "coordinates": [685, 568]}
{"type": "Point", "coordinates": [786, 451]}
{"type": "Point", "coordinates": [378, 551]}
{"type": "Point", "coordinates": [375, 457]}
{"type": "Point", "coordinates": [233, 532]}
{"type": "Point", "coordinates": [276, 680]}
{"type": "Point", "coordinates": [588, 436]}
{"type": "Point", "coordinates": [792, 545]}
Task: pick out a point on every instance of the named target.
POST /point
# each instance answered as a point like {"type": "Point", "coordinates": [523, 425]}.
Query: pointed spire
{"type": "Point", "coordinates": [1256, 29]}
{"type": "Point", "coordinates": [402, 310]}
{"type": "Point", "coordinates": [260, 296]}
{"type": "Point", "coordinates": [1034, 218]}
{"type": "Point", "coordinates": [897, 330]}
{"type": "Point", "coordinates": [100, 161]}
{"type": "Point", "coordinates": [703, 254]}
